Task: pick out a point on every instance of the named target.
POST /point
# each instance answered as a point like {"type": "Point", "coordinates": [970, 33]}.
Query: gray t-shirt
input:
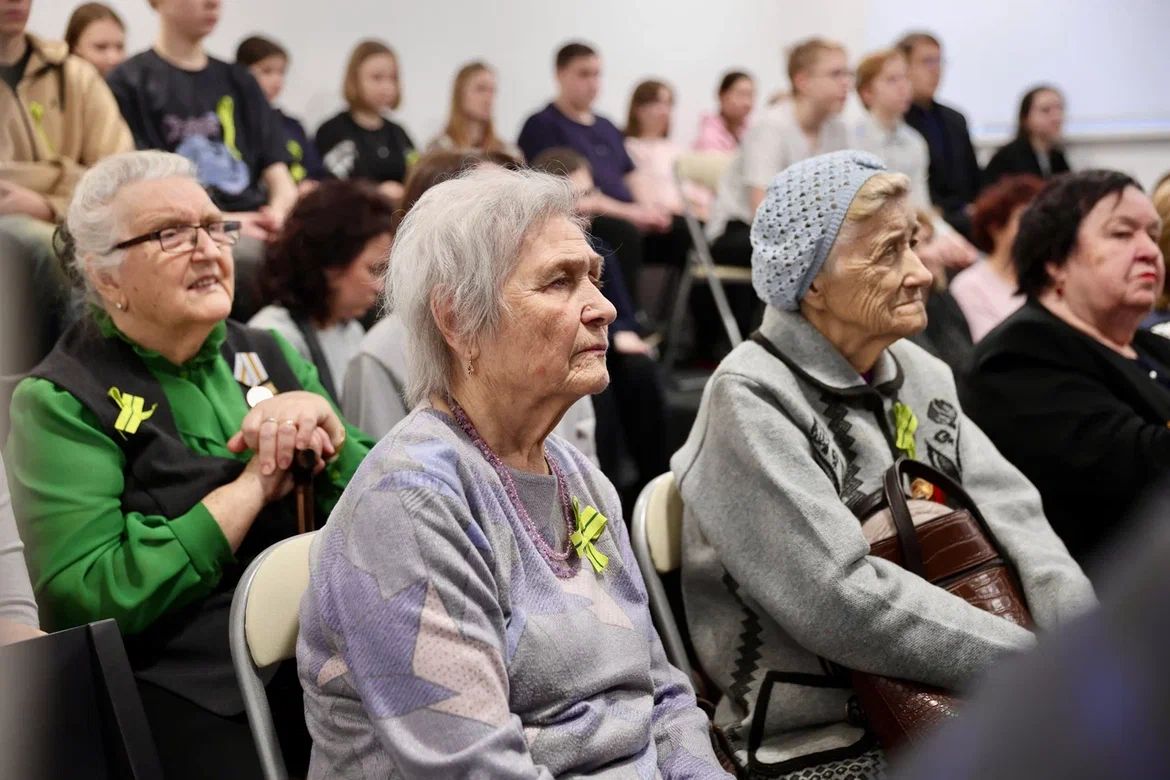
{"type": "Point", "coordinates": [339, 342]}
{"type": "Point", "coordinates": [770, 146]}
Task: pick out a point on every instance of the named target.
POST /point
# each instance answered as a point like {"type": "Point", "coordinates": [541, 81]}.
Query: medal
{"type": "Point", "coordinates": [249, 371]}
{"type": "Point", "coordinates": [257, 395]}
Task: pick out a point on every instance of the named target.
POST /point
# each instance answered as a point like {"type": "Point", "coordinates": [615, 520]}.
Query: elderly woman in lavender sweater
{"type": "Point", "coordinates": [471, 612]}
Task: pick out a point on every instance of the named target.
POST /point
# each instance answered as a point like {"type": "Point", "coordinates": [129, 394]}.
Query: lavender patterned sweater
{"type": "Point", "coordinates": [436, 642]}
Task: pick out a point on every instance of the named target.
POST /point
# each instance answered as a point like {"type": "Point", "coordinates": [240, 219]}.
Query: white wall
{"type": "Point", "coordinates": [690, 43]}
{"type": "Point", "coordinates": [994, 48]}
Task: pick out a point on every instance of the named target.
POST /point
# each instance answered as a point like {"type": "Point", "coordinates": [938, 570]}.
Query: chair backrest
{"type": "Point", "coordinates": [69, 708]}
{"type": "Point", "coordinates": [264, 622]}
{"type": "Point", "coordinates": [706, 169]}
{"type": "Point", "coordinates": [656, 536]}
{"type": "Point", "coordinates": [703, 168]}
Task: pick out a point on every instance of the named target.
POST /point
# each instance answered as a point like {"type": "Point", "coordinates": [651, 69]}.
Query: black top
{"type": "Point", "coordinates": [1085, 424]}
{"type": "Point", "coordinates": [12, 74]}
{"type": "Point", "coordinates": [351, 151]}
{"type": "Point", "coordinates": [1019, 157]}
{"type": "Point", "coordinates": [954, 173]}
{"type": "Point", "coordinates": [216, 117]}
{"type": "Point", "coordinates": [306, 160]}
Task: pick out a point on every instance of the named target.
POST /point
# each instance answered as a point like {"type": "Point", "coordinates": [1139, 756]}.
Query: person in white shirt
{"type": "Point", "coordinates": [883, 84]}
{"type": "Point", "coordinates": [807, 125]}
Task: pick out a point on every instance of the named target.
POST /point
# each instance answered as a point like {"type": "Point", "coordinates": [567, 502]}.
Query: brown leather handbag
{"type": "Point", "coordinates": [948, 545]}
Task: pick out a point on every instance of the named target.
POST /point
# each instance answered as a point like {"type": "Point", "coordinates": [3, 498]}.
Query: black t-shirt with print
{"type": "Point", "coordinates": [352, 152]}
{"type": "Point", "coordinates": [216, 117]}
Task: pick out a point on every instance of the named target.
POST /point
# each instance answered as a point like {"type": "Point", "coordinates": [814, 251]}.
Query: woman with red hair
{"type": "Point", "coordinates": [987, 291]}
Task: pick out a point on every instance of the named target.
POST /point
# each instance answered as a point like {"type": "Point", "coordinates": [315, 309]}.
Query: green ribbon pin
{"type": "Point", "coordinates": [132, 413]}
{"type": "Point", "coordinates": [905, 424]}
{"type": "Point", "coordinates": [225, 111]}
{"type": "Point", "coordinates": [590, 524]}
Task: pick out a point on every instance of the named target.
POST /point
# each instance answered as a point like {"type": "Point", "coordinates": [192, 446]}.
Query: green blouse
{"type": "Point", "coordinates": [89, 559]}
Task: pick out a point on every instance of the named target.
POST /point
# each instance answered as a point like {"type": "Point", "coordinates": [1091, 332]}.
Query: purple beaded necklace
{"type": "Point", "coordinates": [558, 560]}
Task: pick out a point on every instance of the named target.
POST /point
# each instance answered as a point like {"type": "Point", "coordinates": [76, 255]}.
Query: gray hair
{"type": "Point", "coordinates": [90, 220]}
{"type": "Point", "coordinates": [461, 240]}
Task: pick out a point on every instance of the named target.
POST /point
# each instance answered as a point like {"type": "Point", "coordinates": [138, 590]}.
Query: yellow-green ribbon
{"type": "Point", "coordinates": [226, 111]}
{"type": "Point", "coordinates": [905, 425]}
{"type": "Point", "coordinates": [132, 413]}
{"type": "Point", "coordinates": [590, 524]}
{"type": "Point", "coordinates": [37, 112]}
{"type": "Point", "coordinates": [298, 154]}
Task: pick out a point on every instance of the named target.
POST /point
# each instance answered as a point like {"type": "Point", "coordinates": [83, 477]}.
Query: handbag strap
{"type": "Point", "coordinates": [895, 497]}
{"type": "Point", "coordinates": [903, 523]}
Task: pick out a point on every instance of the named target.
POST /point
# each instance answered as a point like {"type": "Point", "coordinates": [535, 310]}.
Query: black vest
{"type": "Point", "coordinates": [185, 651]}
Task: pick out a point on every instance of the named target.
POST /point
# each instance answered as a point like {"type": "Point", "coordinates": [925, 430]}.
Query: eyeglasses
{"type": "Point", "coordinates": [184, 238]}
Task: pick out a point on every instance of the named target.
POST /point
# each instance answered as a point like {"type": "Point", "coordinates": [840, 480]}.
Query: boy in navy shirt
{"type": "Point", "coordinates": [636, 230]}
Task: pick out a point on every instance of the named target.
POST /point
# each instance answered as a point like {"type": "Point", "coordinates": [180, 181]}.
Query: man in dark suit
{"type": "Point", "coordinates": [954, 172]}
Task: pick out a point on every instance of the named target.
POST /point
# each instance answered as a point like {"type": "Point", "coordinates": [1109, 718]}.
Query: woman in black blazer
{"type": "Point", "coordinates": [1068, 388]}
{"type": "Point", "coordinates": [1036, 148]}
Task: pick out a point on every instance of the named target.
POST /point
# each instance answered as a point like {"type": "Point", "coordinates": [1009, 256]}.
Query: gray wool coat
{"type": "Point", "coordinates": [776, 573]}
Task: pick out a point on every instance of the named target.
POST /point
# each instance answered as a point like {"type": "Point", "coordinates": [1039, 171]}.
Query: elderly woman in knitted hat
{"type": "Point", "coordinates": [808, 416]}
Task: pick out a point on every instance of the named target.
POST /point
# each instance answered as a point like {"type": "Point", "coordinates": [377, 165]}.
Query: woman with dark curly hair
{"type": "Point", "coordinates": [1068, 388]}
{"type": "Point", "coordinates": [324, 273]}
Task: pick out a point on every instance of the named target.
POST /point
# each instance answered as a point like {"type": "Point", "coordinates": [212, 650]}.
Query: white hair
{"type": "Point", "coordinates": [91, 222]}
{"type": "Point", "coordinates": [461, 240]}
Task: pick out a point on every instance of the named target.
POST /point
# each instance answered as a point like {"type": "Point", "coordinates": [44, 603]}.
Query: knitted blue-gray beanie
{"type": "Point", "coordinates": [799, 219]}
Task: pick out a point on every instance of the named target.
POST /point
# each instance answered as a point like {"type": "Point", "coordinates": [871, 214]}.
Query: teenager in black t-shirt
{"type": "Point", "coordinates": [177, 98]}
{"type": "Point", "coordinates": [360, 142]}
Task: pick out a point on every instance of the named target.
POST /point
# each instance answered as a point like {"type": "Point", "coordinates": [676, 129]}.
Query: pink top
{"type": "Point", "coordinates": [985, 297]}
{"type": "Point", "coordinates": [715, 137]}
{"type": "Point", "coordinates": [653, 175]}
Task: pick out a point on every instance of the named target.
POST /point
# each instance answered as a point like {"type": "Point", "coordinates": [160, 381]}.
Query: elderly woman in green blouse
{"type": "Point", "coordinates": [150, 454]}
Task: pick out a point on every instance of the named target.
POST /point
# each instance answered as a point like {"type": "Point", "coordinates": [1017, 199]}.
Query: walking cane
{"type": "Point", "coordinates": [304, 464]}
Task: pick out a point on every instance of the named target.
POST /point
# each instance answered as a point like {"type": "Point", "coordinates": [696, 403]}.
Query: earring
{"type": "Point", "coordinates": [470, 367]}
{"type": "Point", "coordinates": [119, 306]}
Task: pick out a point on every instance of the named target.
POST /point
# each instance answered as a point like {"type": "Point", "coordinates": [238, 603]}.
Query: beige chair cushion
{"type": "Point", "coordinates": [272, 614]}
{"type": "Point", "coordinates": [664, 525]}
{"type": "Point", "coordinates": [703, 168]}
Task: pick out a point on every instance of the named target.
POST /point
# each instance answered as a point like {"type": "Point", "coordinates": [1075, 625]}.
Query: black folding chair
{"type": "Point", "coordinates": [69, 708]}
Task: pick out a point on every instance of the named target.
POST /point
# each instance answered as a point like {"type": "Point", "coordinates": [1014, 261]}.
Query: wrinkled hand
{"type": "Point", "coordinates": [279, 483]}
{"type": "Point", "coordinates": [276, 428]}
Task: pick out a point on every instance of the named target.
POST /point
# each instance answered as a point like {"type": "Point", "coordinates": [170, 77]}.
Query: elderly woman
{"type": "Point", "coordinates": [150, 455]}
{"type": "Point", "coordinates": [1068, 387]}
{"type": "Point", "coordinates": [808, 416]}
{"type": "Point", "coordinates": [472, 612]}
{"type": "Point", "coordinates": [376, 378]}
